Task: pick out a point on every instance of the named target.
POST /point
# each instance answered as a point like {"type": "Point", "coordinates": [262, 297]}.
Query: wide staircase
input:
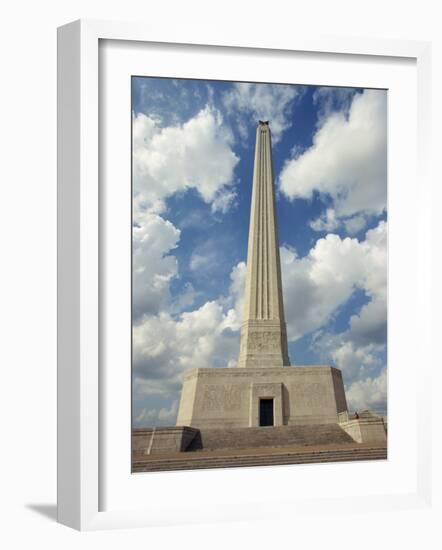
{"type": "Point", "coordinates": [273, 436]}
{"type": "Point", "coordinates": [259, 457]}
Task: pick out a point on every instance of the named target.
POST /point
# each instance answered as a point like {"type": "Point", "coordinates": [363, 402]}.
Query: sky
{"type": "Point", "coordinates": [193, 149]}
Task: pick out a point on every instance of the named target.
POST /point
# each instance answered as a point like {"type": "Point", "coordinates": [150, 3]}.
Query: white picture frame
{"type": "Point", "coordinates": [80, 395]}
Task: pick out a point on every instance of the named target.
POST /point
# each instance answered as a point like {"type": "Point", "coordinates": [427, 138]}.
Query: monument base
{"type": "Point", "coordinates": [367, 428]}
{"type": "Point", "coordinates": [161, 440]}
{"type": "Point", "coordinates": [253, 397]}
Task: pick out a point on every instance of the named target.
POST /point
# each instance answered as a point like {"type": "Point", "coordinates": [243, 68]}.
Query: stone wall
{"type": "Point", "coordinates": [366, 430]}
{"type": "Point", "coordinates": [171, 439]}
{"type": "Point", "coordinates": [229, 398]}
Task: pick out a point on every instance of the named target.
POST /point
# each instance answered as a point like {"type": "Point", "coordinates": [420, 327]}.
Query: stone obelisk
{"type": "Point", "coordinates": [261, 391]}
{"type": "Point", "coordinates": [263, 331]}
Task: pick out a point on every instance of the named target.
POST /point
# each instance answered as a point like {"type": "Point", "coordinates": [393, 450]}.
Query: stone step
{"type": "Point", "coordinates": [275, 436]}
{"type": "Point", "coordinates": [192, 462]}
{"type": "Point", "coordinates": [256, 461]}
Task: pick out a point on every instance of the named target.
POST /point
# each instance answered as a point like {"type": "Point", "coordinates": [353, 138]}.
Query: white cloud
{"type": "Point", "coordinates": [271, 102]}
{"type": "Point", "coordinates": [165, 414]}
{"type": "Point", "coordinates": [153, 361]}
{"type": "Point", "coordinates": [316, 285]}
{"type": "Point", "coordinates": [360, 350]}
{"type": "Point", "coordinates": [369, 393]}
{"type": "Point", "coordinates": [206, 257]}
{"type": "Point", "coordinates": [145, 416]}
{"type": "Point", "coordinates": [355, 224]}
{"type": "Point", "coordinates": [237, 289]}
{"type": "Point", "coordinates": [315, 288]}
{"type": "Point", "coordinates": [224, 200]}
{"type": "Point", "coordinates": [326, 222]}
{"type": "Point", "coordinates": [170, 160]}
{"type": "Point", "coordinates": [157, 416]}
{"type": "Point", "coordinates": [203, 262]}
{"type": "Point", "coordinates": [184, 299]}
{"type": "Point", "coordinates": [347, 161]}
{"type": "Point", "coordinates": [153, 266]}
{"type": "Point", "coordinates": [164, 348]}
{"type": "Point", "coordinates": [196, 154]}
{"type": "Point", "coordinates": [356, 360]}
{"type": "Point", "coordinates": [369, 326]}
{"type": "Point", "coordinates": [198, 261]}
{"type": "Point", "coordinates": [353, 361]}
{"type": "Point", "coordinates": [375, 249]}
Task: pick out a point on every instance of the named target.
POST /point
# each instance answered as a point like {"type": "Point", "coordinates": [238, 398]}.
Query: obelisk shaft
{"type": "Point", "coordinates": [263, 332]}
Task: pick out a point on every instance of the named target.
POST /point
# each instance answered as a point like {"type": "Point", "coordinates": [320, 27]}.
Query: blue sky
{"type": "Point", "coordinates": [193, 147]}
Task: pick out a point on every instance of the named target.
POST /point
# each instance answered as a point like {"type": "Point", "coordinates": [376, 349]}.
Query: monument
{"type": "Point", "coordinates": [263, 389]}
{"type": "Point", "coordinates": [234, 406]}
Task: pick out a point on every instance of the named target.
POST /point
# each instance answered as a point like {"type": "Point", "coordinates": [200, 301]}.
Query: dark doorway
{"type": "Point", "coordinates": [266, 412]}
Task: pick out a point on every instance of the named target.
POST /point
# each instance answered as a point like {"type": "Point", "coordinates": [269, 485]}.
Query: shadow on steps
{"type": "Point", "coordinates": [273, 436]}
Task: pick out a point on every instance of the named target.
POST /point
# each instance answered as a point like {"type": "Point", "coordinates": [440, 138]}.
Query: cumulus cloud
{"type": "Point", "coordinates": [326, 222]}
{"type": "Point", "coordinates": [354, 224]}
{"type": "Point", "coordinates": [356, 360]}
{"type": "Point", "coordinates": [237, 289]}
{"type": "Point", "coordinates": [273, 102]}
{"type": "Point", "coordinates": [369, 393]}
{"type": "Point", "coordinates": [316, 285]}
{"type": "Point", "coordinates": [315, 288]}
{"type": "Point", "coordinates": [153, 266]}
{"type": "Point", "coordinates": [185, 299]}
{"type": "Point", "coordinates": [369, 326]}
{"type": "Point", "coordinates": [172, 335]}
{"type": "Point", "coordinates": [164, 348]}
{"type": "Point", "coordinates": [347, 162]}
{"type": "Point", "coordinates": [157, 415]}
{"type": "Point", "coordinates": [165, 414]}
{"type": "Point", "coordinates": [196, 154]}
{"type": "Point", "coordinates": [168, 160]}
{"type": "Point", "coordinates": [359, 351]}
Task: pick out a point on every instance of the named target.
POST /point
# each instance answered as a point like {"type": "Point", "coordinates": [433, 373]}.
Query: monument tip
{"type": "Point", "coordinates": [263, 122]}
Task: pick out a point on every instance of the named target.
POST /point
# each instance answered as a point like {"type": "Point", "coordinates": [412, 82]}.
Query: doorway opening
{"type": "Point", "coordinates": [266, 412]}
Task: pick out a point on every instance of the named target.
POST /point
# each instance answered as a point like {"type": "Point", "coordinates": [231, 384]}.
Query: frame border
{"type": "Point", "coordinates": [78, 252]}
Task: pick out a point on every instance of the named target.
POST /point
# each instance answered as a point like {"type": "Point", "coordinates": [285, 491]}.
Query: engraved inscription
{"type": "Point", "coordinates": [267, 389]}
{"type": "Point", "coordinates": [264, 341]}
{"type": "Point", "coordinates": [221, 398]}
{"type": "Point", "coordinates": [312, 396]}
